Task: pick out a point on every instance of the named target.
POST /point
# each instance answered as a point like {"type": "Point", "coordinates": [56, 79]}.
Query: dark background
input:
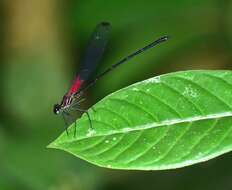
{"type": "Point", "coordinates": [41, 43]}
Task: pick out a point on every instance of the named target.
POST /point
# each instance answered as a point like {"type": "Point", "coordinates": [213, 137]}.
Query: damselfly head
{"type": "Point", "coordinates": [56, 109]}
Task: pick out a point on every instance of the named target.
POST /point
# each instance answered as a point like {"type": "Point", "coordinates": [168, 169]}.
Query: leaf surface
{"type": "Point", "coordinates": [166, 122]}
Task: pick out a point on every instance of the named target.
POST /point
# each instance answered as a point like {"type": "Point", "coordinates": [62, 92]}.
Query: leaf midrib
{"type": "Point", "coordinates": [149, 126]}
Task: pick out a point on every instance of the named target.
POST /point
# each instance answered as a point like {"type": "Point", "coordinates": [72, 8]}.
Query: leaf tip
{"type": "Point", "coordinates": [52, 145]}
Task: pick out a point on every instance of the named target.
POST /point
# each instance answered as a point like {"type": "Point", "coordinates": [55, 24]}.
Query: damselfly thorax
{"type": "Point", "coordinates": [68, 102]}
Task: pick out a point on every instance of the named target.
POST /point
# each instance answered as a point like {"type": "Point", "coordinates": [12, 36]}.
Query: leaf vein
{"type": "Point", "coordinates": [222, 139]}
{"type": "Point", "coordinates": [144, 127]}
{"type": "Point", "coordinates": [206, 90]}
{"type": "Point", "coordinates": [90, 147]}
{"type": "Point", "coordinates": [120, 116]}
{"type": "Point", "coordinates": [200, 112]}
{"type": "Point", "coordinates": [200, 139]}
{"type": "Point", "coordinates": [137, 107]}
{"type": "Point", "coordinates": [109, 148]}
{"type": "Point", "coordinates": [128, 146]}
{"type": "Point", "coordinates": [162, 102]}
{"type": "Point", "coordinates": [219, 78]}
{"type": "Point", "coordinates": [149, 148]}
{"type": "Point", "coordinates": [174, 143]}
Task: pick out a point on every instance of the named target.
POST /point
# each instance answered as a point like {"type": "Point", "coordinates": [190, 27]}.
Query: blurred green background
{"type": "Point", "coordinates": [41, 43]}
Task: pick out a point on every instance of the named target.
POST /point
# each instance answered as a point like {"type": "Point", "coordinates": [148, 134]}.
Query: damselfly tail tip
{"type": "Point", "coordinates": [165, 38]}
{"type": "Point", "coordinates": [161, 39]}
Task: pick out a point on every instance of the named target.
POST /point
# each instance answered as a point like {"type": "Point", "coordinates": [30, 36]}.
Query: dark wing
{"type": "Point", "coordinates": [94, 50]}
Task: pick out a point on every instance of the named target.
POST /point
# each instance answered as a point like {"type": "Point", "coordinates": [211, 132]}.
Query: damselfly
{"type": "Point", "coordinates": [93, 54]}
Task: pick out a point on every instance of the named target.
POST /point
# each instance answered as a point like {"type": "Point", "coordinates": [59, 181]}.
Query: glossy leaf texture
{"type": "Point", "coordinates": [166, 122]}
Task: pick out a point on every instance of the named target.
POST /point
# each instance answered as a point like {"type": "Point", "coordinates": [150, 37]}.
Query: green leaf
{"type": "Point", "coordinates": [165, 122]}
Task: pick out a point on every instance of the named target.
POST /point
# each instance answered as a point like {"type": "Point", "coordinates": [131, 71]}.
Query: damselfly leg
{"type": "Point", "coordinates": [65, 115]}
{"type": "Point", "coordinates": [83, 111]}
{"type": "Point", "coordinates": [70, 114]}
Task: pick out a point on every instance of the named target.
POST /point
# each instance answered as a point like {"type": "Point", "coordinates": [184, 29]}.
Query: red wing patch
{"type": "Point", "coordinates": [75, 86]}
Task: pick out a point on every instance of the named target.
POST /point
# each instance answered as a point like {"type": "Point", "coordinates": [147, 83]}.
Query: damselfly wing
{"type": "Point", "coordinates": [69, 105]}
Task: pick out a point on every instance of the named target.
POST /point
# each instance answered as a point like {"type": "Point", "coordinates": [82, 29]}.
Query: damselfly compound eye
{"type": "Point", "coordinates": [56, 109]}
